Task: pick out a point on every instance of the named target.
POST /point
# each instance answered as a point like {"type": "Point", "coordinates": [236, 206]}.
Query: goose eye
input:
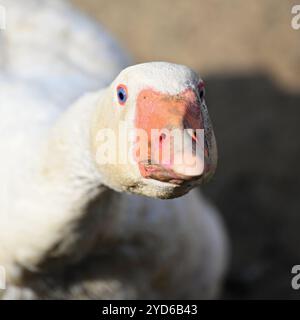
{"type": "Point", "coordinates": [201, 90]}
{"type": "Point", "coordinates": [122, 94]}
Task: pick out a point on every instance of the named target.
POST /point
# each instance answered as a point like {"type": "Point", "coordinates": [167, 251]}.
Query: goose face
{"type": "Point", "coordinates": [171, 142]}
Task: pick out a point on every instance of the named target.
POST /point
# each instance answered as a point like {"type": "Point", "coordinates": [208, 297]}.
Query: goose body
{"type": "Point", "coordinates": [68, 227]}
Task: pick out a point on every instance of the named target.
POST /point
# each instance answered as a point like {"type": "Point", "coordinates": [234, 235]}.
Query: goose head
{"type": "Point", "coordinates": [152, 134]}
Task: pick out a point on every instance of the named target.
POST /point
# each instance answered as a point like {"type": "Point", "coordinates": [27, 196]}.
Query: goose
{"type": "Point", "coordinates": [71, 226]}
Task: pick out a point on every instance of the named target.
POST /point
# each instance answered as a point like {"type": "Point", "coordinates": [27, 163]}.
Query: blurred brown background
{"type": "Point", "coordinates": [249, 57]}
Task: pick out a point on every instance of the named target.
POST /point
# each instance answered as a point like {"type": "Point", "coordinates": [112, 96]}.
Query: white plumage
{"type": "Point", "coordinates": [63, 233]}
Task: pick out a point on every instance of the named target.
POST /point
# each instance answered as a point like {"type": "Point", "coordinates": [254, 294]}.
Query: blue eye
{"type": "Point", "coordinates": [122, 93]}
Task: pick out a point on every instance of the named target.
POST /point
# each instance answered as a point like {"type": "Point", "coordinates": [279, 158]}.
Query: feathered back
{"type": "Point", "coordinates": [51, 47]}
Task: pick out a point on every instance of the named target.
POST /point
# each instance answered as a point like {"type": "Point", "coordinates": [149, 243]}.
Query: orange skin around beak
{"type": "Point", "coordinates": [155, 110]}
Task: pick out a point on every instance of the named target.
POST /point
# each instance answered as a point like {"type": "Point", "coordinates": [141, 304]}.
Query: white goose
{"type": "Point", "coordinates": [64, 232]}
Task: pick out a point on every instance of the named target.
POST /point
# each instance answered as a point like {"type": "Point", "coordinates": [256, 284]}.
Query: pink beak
{"type": "Point", "coordinates": [169, 159]}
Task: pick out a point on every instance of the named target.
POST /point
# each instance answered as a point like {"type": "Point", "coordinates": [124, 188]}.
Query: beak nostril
{"type": "Point", "coordinates": [194, 136]}
{"type": "Point", "coordinates": [162, 137]}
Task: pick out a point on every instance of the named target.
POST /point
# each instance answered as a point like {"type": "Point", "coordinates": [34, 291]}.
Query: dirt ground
{"type": "Point", "coordinates": [249, 56]}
